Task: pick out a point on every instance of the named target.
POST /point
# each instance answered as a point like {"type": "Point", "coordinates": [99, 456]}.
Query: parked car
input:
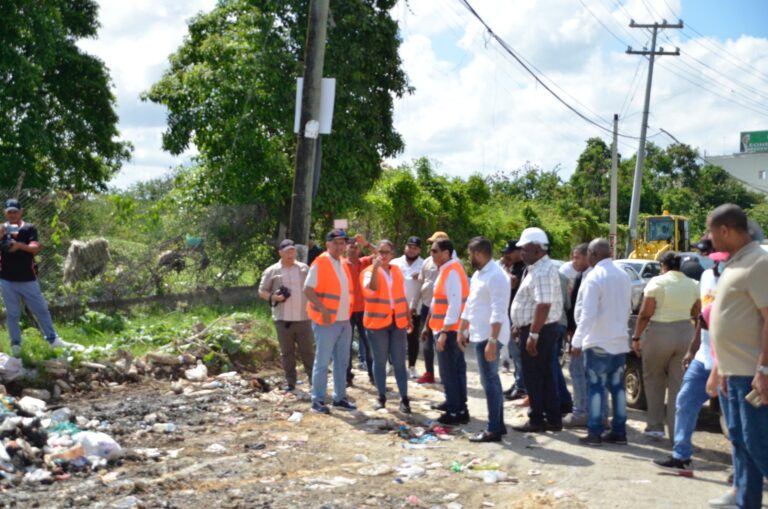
{"type": "Point", "coordinates": [645, 268]}
{"type": "Point", "coordinates": [638, 284]}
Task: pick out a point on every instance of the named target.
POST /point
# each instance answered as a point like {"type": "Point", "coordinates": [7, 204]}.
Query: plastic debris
{"type": "Point", "coordinates": [361, 458]}
{"type": "Point", "coordinates": [32, 405]}
{"type": "Point", "coordinates": [197, 374]}
{"type": "Point", "coordinates": [10, 368]}
{"type": "Point", "coordinates": [533, 472]}
{"type": "Point", "coordinates": [413, 500]}
{"type": "Point", "coordinates": [99, 444]}
{"type": "Point", "coordinates": [126, 503]}
{"type": "Point", "coordinates": [318, 483]}
{"type": "Point", "coordinates": [296, 417]}
{"type": "Point", "coordinates": [216, 449]}
{"type": "Point", "coordinates": [375, 470]}
{"type": "Point", "coordinates": [164, 427]}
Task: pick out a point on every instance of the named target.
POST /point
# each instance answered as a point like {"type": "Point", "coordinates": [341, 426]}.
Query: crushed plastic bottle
{"type": "Point", "coordinates": [164, 427]}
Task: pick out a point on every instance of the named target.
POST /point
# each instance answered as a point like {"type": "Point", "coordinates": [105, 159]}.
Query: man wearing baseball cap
{"type": "Point", "coordinates": [330, 294]}
{"type": "Point", "coordinates": [18, 278]}
{"type": "Point", "coordinates": [282, 285]}
{"type": "Point", "coordinates": [536, 313]}
{"type": "Point", "coordinates": [410, 265]}
{"type": "Point", "coordinates": [427, 277]}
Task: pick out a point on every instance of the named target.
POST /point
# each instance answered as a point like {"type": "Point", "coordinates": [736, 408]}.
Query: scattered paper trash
{"type": "Point", "coordinates": [216, 449]}
{"type": "Point", "coordinates": [296, 417]}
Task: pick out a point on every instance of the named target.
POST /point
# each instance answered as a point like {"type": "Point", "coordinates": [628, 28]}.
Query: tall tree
{"type": "Point", "coordinates": [57, 119]}
{"type": "Point", "coordinates": [230, 92]}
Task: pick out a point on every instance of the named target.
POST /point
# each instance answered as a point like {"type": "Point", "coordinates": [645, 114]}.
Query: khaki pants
{"type": "Point", "coordinates": [294, 336]}
{"type": "Point", "coordinates": [663, 348]}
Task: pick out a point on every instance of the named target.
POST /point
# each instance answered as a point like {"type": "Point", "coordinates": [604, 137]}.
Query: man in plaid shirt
{"type": "Point", "coordinates": [536, 312]}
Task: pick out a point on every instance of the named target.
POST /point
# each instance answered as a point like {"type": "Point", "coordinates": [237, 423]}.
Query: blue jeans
{"type": "Point", "coordinates": [578, 370]}
{"type": "Point", "coordinates": [514, 354]}
{"type": "Point", "coordinates": [605, 370]}
{"type": "Point", "coordinates": [453, 373]}
{"type": "Point", "coordinates": [332, 344]}
{"type": "Point", "coordinates": [428, 346]}
{"type": "Point", "coordinates": [747, 427]}
{"type": "Point", "coordinates": [389, 345]}
{"type": "Point", "coordinates": [692, 395]}
{"type": "Point", "coordinates": [489, 378]}
{"type": "Point", "coordinates": [13, 293]}
{"type": "Point", "coordinates": [562, 388]}
{"type": "Point", "coordinates": [540, 378]}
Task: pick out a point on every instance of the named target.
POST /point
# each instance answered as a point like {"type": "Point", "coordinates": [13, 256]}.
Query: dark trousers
{"type": "Point", "coordinates": [453, 373]}
{"type": "Point", "coordinates": [363, 345]}
{"type": "Point", "coordinates": [566, 401]}
{"type": "Point", "coordinates": [429, 344]}
{"type": "Point", "coordinates": [414, 340]}
{"type": "Point", "coordinates": [295, 337]}
{"type": "Point", "coordinates": [540, 380]}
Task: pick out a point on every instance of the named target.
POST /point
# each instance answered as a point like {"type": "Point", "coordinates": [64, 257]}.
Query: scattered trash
{"type": "Point", "coordinates": [164, 427]}
{"type": "Point", "coordinates": [411, 471]}
{"type": "Point", "coordinates": [10, 368]}
{"type": "Point", "coordinates": [197, 374]}
{"type": "Point", "coordinates": [375, 470]}
{"type": "Point", "coordinates": [361, 458]}
{"type": "Point", "coordinates": [640, 481]}
{"type": "Point", "coordinates": [216, 449]}
{"type": "Point", "coordinates": [533, 472]}
{"type": "Point", "coordinates": [449, 497]}
{"type": "Point", "coordinates": [413, 500]}
{"type": "Point", "coordinates": [31, 405]}
{"type": "Point", "coordinates": [255, 447]}
{"type": "Point", "coordinates": [318, 483]}
{"type": "Point", "coordinates": [99, 444]}
{"type": "Point", "coordinates": [126, 503]}
{"type": "Point", "coordinates": [493, 476]}
{"type": "Point", "coordinates": [454, 505]}
{"type": "Point", "coordinates": [296, 417]}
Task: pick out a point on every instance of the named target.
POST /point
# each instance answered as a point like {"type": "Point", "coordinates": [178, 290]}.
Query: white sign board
{"type": "Point", "coordinates": [327, 96]}
{"type": "Point", "coordinates": [340, 224]}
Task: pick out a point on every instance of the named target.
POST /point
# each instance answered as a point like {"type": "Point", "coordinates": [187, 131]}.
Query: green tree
{"type": "Point", "coordinates": [230, 92]}
{"type": "Point", "coordinates": [57, 120]}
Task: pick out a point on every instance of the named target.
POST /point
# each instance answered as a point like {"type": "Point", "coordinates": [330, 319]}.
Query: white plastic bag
{"type": "Point", "coordinates": [197, 374]}
{"type": "Point", "coordinates": [99, 444]}
{"type": "Point", "coordinates": [10, 368]}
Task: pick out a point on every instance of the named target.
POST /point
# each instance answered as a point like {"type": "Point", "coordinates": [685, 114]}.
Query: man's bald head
{"type": "Point", "coordinates": [599, 249]}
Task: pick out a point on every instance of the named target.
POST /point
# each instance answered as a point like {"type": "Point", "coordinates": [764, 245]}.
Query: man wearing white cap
{"type": "Point", "coordinates": [536, 312]}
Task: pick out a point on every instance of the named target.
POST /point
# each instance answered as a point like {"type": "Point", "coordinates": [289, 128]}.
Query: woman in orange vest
{"type": "Point", "coordinates": [387, 320]}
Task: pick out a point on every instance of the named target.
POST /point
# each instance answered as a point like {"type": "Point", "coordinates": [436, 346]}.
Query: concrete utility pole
{"type": "Point", "coordinates": [614, 185]}
{"type": "Point", "coordinates": [634, 211]}
{"type": "Point", "coordinates": [306, 148]}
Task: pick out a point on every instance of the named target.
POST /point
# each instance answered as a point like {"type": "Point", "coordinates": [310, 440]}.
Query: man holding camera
{"type": "Point", "coordinates": [18, 278]}
{"type": "Point", "coordinates": [282, 286]}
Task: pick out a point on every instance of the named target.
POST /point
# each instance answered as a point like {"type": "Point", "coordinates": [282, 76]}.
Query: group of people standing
{"type": "Point", "coordinates": [524, 301]}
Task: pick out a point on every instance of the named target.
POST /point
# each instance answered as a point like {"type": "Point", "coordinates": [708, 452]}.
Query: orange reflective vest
{"type": "Point", "coordinates": [378, 310]}
{"type": "Point", "coordinates": [440, 300]}
{"type": "Point", "coordinates": [328, 289]}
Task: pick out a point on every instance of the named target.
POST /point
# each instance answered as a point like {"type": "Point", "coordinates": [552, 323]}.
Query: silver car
{"type": "Point", "coordinates": [638, 284]}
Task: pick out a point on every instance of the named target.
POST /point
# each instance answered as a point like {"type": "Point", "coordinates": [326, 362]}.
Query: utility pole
{"type": "Point", "coordinates": [614, 185]}
{"type": "Point", "coordinates": [634, 211]}
{"type": "Point", "coordinates": [309, 136]}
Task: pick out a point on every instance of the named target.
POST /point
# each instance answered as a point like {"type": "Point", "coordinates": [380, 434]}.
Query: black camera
{"type": "Point", "coordinates": [10, 232]}
{"type": "Point", "coordinates": [284, 291]}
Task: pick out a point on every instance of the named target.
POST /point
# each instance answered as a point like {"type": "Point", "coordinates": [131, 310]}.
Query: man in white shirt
{"type": "Point", "coordinates": [486, 323]}
{"type": "Point", "coordinates": [410, 265]}
{"type": "Point", "coordinates": [601, 333]}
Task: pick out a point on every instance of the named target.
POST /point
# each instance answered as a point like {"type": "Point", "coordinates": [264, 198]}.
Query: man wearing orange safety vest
{"type": "Point", "coordinates": [387, 319]}
{"type": "Point", "coordinates": [329, 291]}
{"type": "Point", "coordinates": [450, 295]}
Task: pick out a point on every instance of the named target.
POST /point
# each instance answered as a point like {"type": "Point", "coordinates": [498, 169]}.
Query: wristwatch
{"type": "Point", "coordinates": [763, 370]}
{"type": "Point", "coordinates": [492, 341]}
{"type": "Point", "coordinates": [534, 335]}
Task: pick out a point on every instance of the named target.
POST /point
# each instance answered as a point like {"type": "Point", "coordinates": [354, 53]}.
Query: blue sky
{"type": "Point", "coordinates": [475, 110]}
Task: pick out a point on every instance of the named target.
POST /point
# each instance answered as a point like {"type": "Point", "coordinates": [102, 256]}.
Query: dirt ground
{"type": "Point", "coordinates": [261, 460]}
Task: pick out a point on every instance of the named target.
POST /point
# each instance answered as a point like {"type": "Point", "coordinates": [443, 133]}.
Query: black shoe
{"type": "Point", "coordinates": [464, 416]}
{"type": "Point", "coordinates": [673, 464]}
{"type": "Point", "coordinates": [380, 403]}
{"type": "Point", "coordinates": [503, 430]}
{"type": "Point", "coordinates": [485, 436]}
{"type": "Point", "coordinates": [529, 427]}
{"type": "Point", "coordinates": [440, 407]}
{"type": "Point", "coordinates": [320, 408]}
{"type": "Point", "coordinates": [615, 438]}
{"type": "Point", "coordinates": [405, 406]}
{"type": "Point", "coordinates": [554, 427]}
{"type": "Point", "coordinates": [515, 395]}
{"type": "Point", "coordinates": [509, 391]}
{"type": "Point", "coordinates": [592, 440]}
{"type": "Point", "coordinates": [449, 419]}
{"type": "Point", "coordinates": [566, 409]}
{"type": "Point", "coordinates": [344, 405]}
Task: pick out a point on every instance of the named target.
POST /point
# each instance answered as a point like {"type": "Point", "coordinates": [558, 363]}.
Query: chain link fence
{"type": "Point", "coordinates": [118, 247]}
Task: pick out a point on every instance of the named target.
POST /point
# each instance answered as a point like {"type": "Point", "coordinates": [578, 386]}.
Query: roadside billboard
{"type": "Point", "coordinates": [753, 141]}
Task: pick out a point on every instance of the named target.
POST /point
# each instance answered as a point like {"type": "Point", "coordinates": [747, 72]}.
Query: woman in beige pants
{"type": "Point", "coordinates": [663, 331]}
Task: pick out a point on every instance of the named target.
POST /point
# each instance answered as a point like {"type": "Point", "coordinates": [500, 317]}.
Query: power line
{"type": "Point", "coordinates": [522, 63]}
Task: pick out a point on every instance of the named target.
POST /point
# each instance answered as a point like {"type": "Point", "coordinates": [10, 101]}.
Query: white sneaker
{"type": "Point", "coordinates": [16, 350]}
{"type": "Point", "coordinates": [412, 372]}
{"type": "Point", "coordinates": [60, 343]}
{"type": "Point", "coordinates": [725, 501]}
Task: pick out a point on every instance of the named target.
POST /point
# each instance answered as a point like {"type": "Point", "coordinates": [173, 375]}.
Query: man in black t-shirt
{"type": "Point", "coordinates": [18, 278]}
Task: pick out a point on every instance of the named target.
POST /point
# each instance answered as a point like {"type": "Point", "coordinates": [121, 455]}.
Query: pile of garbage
{"type": "Point", "coordinates": [39, 445]}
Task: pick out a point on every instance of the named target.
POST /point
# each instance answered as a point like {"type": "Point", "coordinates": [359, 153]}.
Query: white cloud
{"type": "Point", "coordinates": [488, 114]}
